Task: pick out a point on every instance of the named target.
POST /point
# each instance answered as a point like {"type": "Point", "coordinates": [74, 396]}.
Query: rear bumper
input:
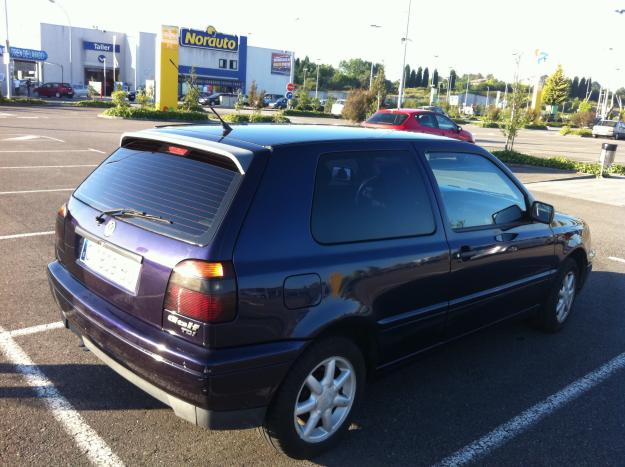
{"type": "Point", "coordinates": [217, 389]}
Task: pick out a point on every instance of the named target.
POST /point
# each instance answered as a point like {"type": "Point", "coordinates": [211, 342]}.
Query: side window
{"type": "Point", "coordinates": [475, 191]}
{"type": "Point", "coordinates": [445, 124]}
{"type": "Point", "coordinates": [426, 120]}
{"type": "Point", "coordinates": [369, 196]}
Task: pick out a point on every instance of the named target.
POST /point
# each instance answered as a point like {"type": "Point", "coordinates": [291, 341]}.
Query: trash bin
{"type": "Point", "coordinates": [606, 158]}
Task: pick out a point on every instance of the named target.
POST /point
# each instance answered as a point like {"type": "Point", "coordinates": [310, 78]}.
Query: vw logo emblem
{"type": "Point", "coordinates": [109, 229]}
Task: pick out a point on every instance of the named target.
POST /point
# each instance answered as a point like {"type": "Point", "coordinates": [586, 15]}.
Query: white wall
{"type": "Point", "coordinates": [259, 70]}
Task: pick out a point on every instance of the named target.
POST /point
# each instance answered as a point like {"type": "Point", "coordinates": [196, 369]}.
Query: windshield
{"type": "Point", "coordinates": [387, 118]}
{"type": "Point", "coordinates": [607, 123]}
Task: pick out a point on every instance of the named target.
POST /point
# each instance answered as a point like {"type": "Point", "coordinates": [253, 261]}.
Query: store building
{"type": "Point", "coordinates": [221, 62]}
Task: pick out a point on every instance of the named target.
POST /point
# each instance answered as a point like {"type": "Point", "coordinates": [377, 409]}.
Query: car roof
{"type": "Point", "coordinates": [272, 135]}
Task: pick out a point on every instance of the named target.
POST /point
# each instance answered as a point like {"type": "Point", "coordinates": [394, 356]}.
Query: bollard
{"type": "Point", "coordinates": [606, 158]}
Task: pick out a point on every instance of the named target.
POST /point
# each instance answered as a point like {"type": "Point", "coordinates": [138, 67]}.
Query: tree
{"type": "Point", "coordinates": [511, 125]}
{"type": "Point", "coordinates": [452, 79]}
{"type": "Point", "coordinates": [574, 92]}
{"type": "Point", "coordinates": [581, 88]}
{"type": "Point", "coordinates": [406, 75]}
{"type": "Point", "coordinates": [379, 90]}
{"type": "Point", "coordinates": [556, 88]}
{"type": "Point", "coordinates": [435, 78]}
{"type": "Point", "coordinates": [412, 81]}
{"type": "Point", "coordinates": [419, 78]}
{"type": "Point", "coordinates": [358, 105]}
{"type": "Point", "coordinates": [425, 82]}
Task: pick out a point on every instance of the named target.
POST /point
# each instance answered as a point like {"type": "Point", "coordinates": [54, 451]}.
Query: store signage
{"type": "Point", "coordinates": [100, 46]}
{"type": "Point", "coordinates": [28, 54]}
{"type": "Point", "coordinates": [101, 58]}
{"type": "Point", "coordinates": [280, 64]}
{"type": "Point", "coordinates": [204, 40]}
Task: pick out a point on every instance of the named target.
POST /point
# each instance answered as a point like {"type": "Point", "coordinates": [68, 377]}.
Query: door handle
{"type": "Point", "coordinates": [465, 253]}
{"type": "Point", "coordinates": [506, 236]}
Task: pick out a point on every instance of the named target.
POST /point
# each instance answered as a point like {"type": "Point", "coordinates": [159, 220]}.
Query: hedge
{"type": "Point", "coordinates": [308, 113]}
{"type": "Point", "coordinates": [93, 103]}
{"type": "Point", "coordinates": [22, 100]}
{"type": "Point", "coordinates": [152, 114]}
{"type": "Point", "coordinates": [558, 162]}
{"type": "Point", "coordinates": [489, 125]}
{"type": "Point", "coordinates": [255, 118]}
{"type": "Point", "coordinates": [535, 126]}
{"type": "Point", "coordinates": [583, 132]}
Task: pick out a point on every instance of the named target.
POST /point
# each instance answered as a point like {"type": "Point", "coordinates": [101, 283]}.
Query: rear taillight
{"type": "Point", "coordinates": [203, 291]}
{"type": "Point", "coordinates": [59, 230]}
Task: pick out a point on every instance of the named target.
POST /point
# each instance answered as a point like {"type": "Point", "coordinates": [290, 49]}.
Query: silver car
{"type": "Point", "coordinates": [609, 128]}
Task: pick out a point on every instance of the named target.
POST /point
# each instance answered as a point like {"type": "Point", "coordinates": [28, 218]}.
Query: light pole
{"type": "Point", "coordinates": [375, 26]}
{"type": "Point", "coordinates": [487, 95]}
{"type": "Point", "coordinates": [403, 65]}
{"type": "Point", "coordinates": [71, 74]}
{"type": "Point", "coordinates": [317, 85]}
{"type": "Point", "coordinates": [7, 57]}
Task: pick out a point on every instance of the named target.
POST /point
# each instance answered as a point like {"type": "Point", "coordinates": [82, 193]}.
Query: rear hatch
{"type": "Point", "coordinates": [128, 260]}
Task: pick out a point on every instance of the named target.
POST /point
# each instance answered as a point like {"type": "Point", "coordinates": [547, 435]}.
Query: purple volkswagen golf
{"type": "Point", "coordinates": [255, 276]}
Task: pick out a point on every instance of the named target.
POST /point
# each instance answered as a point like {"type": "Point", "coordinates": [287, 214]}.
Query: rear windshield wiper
{"type": "Point", "coordinates": [121, 212]}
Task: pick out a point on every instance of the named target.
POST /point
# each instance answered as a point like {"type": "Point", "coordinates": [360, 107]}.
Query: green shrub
{"type": "Point", "coordinates": [358, 105]}
{"type": "Point", "coordinates": [278, 117]}
{"type": "Point", "coordinates": [583, 132]}
{"type": "Point", "coordinates": [23, 100]}
{"type": "Point", "coordinates": [93, 103]}
{"type": "Point", "coordinates": [152, 114]}
{"type": "Point", "coordinates": [493, 114]}
{"type": "Point", "coordinates": [565, 130]}
{"type": "Point", "coordinates": [583, 119]}
{"type": "Point", "coordinates": [558, 162]}
{"type": "Point", "coordinates": [487, 124]}
{"type": "Point", "coordinates": [327, 108]}
{"type": "Point", "coordinates": [236, 118]}
{"type": "Point", "coordinates": [143, 99]}
{"type": "Point", "coordinates": [308, 113]}
{"type": "Point", "coordinates": [256, 116]}
{"type": "Point", "coordinates": [119, 99]}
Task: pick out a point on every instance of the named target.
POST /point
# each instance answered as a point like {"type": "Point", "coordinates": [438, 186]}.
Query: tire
{"type": "Point", "coordinates": [285, 430]}
{"type": "Point", "coordinates": [559, 304]}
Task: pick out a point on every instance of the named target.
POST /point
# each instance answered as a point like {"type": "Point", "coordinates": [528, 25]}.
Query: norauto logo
{"type": "Point", "coordinates": [209, 40]}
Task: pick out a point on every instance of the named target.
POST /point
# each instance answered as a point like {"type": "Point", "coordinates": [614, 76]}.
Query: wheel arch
{"type": "Point", "coordinates": [580, 257]}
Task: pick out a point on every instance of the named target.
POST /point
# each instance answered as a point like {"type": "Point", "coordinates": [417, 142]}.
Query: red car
{"type": "Point", "coordinates": [54, 90]}
{"type": "Point", "coordinates": [419, 121]}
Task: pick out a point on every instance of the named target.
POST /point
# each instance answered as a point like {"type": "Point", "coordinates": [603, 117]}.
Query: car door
{"type": "Point", "coordinates": [502, 263]}
{"type": "Point", "coordinates": [446, 126]}
{"type": "Point", "coordinates": [426, 123]}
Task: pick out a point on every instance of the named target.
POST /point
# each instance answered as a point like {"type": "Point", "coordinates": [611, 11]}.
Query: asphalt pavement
{"type": "Point", "coordinates": [508, 379]}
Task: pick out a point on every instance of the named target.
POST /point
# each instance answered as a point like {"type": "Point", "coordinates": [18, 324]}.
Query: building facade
{"type": "Point", "coordinates": [221, 62]}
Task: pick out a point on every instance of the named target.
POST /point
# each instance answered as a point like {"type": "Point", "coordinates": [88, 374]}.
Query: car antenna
{"type": "Point", "coordinates": [227, 128]}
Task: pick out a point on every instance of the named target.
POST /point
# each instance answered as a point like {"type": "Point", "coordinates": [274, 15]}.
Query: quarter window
{"type": "Point", "coordinates": [369, 196]}
{"type": "Point", "coordinates": [475, 191]}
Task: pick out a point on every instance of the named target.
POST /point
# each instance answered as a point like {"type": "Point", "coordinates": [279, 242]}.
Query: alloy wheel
{"type": "Point", "coordinates": [566, 295]}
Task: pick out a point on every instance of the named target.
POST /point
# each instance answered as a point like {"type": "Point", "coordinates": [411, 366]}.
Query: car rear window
{"type": "Point", "coordinates": [192, 190]}
{"type": "Point", "coordinates": [386, 118]}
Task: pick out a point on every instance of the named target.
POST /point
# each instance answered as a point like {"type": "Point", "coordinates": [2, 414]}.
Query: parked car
{"type": "Point", "coordinates": [420, 121]}
{"type": "Point", "coordinates": [209, 99]}
{"type": "Point", "coordinates": [610, 128]}
{"type": "Point", "coordinates": [280, 103]}
{"type": "Point", "coordinates": [80, 91]}
{"type": "Point", "coordinates": [54, 90]}
{"type": "Point", "coordinates": [337, 107]}
{"type": "Point", "coordinates": [434, 108]}
{"type": "Point", "coordinates": [256, 275]}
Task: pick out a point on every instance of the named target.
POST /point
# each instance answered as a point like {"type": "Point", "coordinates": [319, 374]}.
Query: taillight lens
{"type": "Point", "coordinates": [203, 291]}
{"type": "Point", "coordinates": [59, 230]}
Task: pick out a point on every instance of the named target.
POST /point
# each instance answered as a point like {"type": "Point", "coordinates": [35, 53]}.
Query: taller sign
{"type": "Point", "coordinates": [209, 39]}
{"type": "Point", "coordinates": [100, 46]}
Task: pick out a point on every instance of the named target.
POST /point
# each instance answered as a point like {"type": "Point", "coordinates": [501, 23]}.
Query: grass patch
{"type": "Point", "coordinates": [152, 114]}
{"type": "Point", "coordinates": [22, 101]}
{"type": "Point", "coordinates": [308, 113]}
{"type": "Point", "coordinates": [93, 103]}
{"type": "Point", "coordinates": [558, 162]}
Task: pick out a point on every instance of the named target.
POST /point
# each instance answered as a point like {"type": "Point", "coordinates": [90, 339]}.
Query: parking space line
{"type": "Point", "coordinates": [31, 234]}
{"type": "Point", "coordinates": [35, 191]}
{"type": "Point", "coordinates": [97, 150]}
{"type": "Point", "coordinates": [521, 423]}
{"type": "Point", "coordinates": [47, 166]}
{"type": "Point", "coordinates": [618, 260]}
{"type": "Point", "coordinates": [36, 329]}
{"type": "Point", "coordinates": [85, 437]}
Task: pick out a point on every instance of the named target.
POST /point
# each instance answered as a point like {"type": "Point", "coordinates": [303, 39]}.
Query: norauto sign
{"type": "Point", "coordinates": [208, 40]}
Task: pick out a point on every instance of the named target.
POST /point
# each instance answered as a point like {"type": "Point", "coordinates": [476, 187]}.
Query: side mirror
{"type": "Point", "coordinates": [542, 212]}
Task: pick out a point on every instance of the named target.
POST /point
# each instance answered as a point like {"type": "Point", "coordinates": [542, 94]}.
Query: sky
{"type": "Point", "coordinates": [474, 36]}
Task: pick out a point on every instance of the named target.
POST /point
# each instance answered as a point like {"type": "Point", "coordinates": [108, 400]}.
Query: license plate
{"type": "Point", "coordinates": [119, 268]}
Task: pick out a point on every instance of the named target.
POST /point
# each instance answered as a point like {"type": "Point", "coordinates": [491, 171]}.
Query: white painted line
{"type": "Point", "coordinates": [47, 166]}
{"type": "Point", "coordinates": [34, 191]}
{"type": "Point", "coordinates": [97, 150]}
{"type": "Point", "coordinates": [85, 437]}
{"type": "Point", "coordinates": [50, 150]}
{"type": "Point", "coordinates": [618, 260]}
{"type": "Point", "coordinates": [32, 234]}
{"type": "Point", "coordinates": [521, 423]}
{"type": "Point", "coordinates": [36, 329]}
{"type": "Point", "coordinates": [31, 137]}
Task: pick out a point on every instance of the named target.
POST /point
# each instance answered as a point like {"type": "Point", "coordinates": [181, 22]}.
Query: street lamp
{"type": "Point", "coordinates": [71, 74]}
{"type": "Point", "coordinates": [317, 85]}
{"type": "Point", "coordinates": [403, 65]}
{"type": "Point", "coordinates": [7, 57]}
{"type": "Point", "coordinates": [375, 26]}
